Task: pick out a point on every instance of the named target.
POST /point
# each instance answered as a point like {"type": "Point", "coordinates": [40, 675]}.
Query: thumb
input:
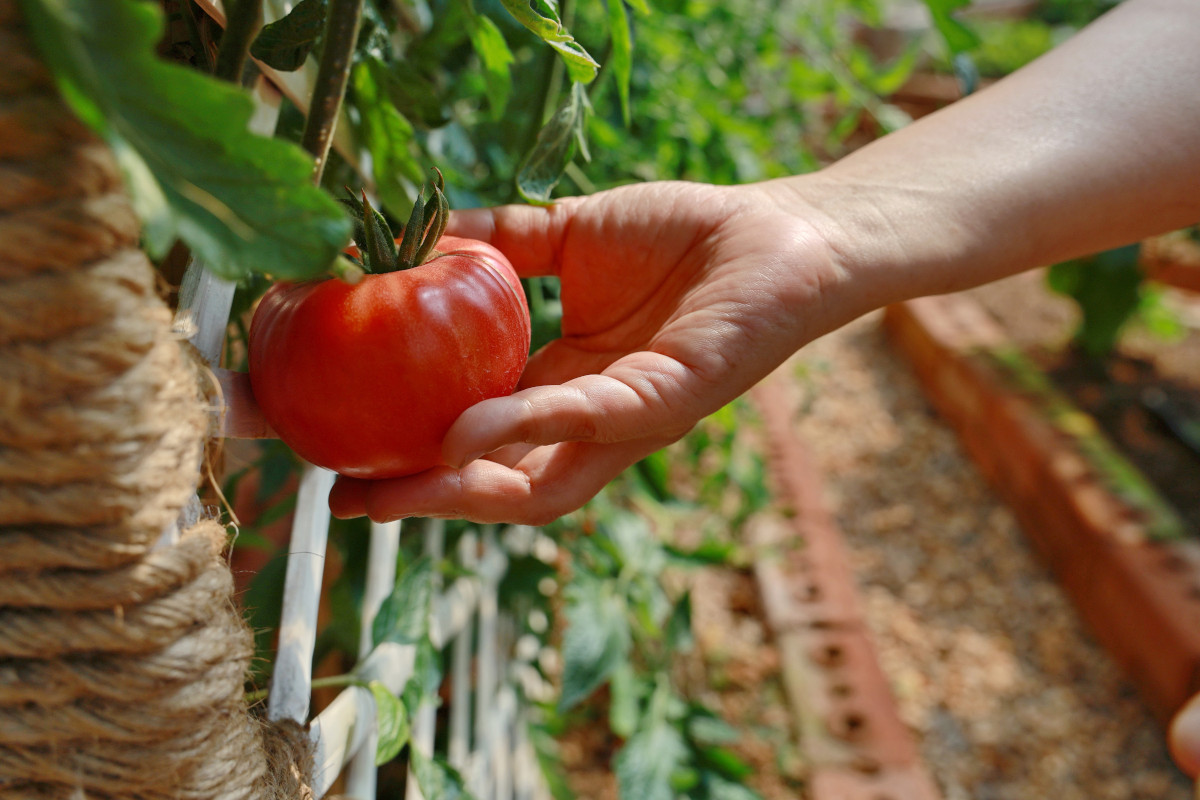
{"type": "Point", "coordinates": [1184, 737]}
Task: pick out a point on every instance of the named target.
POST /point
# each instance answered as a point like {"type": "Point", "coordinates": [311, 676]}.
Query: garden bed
{"type": "Point", "coordinates": [1006, 692]}
{"type": "Point", "coordinates": [1137, 596]}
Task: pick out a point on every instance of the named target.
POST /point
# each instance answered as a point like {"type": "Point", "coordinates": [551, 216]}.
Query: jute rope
{"type": "Point", "coordinates": [122, 658]}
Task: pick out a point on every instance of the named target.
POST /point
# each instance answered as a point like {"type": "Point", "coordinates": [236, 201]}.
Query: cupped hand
{"type": "Point", "coordinates": [676, 298]}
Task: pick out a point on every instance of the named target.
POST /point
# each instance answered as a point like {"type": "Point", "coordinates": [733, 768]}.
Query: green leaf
{"type": "Point", "coordinates": [496, 58]}
{"type": "Point", "coordinates": [622, 52]}
{"type": "Point", "coordinates": [555, 148]}
{"type": "Point", "coordinates": [393, 723]}
{"type": "Point", "coordinates": [709, 553]}
{"type": "Point", "coordinates": [385, 133]}
{"type": "Point", "coordinates": [285, 43]}
{"type": "Point", "coordinates": [437, 779]}
{"type": "Point", "coordinates": [719, 788]}
{"type": "Point", "coordinates": [624, 708]}
{"type": "Point", "coordinates": [541, 17]}
{"type": "Point", "coordinates": [958, 37]}
{"type": "Point", "coordinates": [1107, 288]}
{"type": "Point", "coordinates": [404, 615]}
{"type": "Point", "coordinates": [705, 727]}
{"type": "Point", "coordinates": [242, 202]}
{"type": "Point", "coordinates": [679, 626]}
{"type": "Point", "coordinates": [597, 638]}
{"type": "Point", "coordinates": [645, 764]}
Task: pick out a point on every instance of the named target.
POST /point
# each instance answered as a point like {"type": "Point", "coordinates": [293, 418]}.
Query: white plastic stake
{"type": "Point", "coordinates": [460, 670]}
{"type": "Point", "coordinates": [425, 725]}
{"type": "Point", "coordinates": [485, 667]}
{"type": "Point", "coordinates": [381, 578]}
{"type": "Point", "coordinates": [291, 683]}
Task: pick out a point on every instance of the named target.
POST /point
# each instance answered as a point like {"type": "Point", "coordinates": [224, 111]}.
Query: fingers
{"type": "Point", "coordinates": [631, 401]}
{"type": "Point", "coordinates": [548, 483]}
{"type": "Point", "coordinates": [1184, 737]}
{"type": "Point", "coordinates": [242, 418]}
{"type": "Point", "coordinates": [530, 236]}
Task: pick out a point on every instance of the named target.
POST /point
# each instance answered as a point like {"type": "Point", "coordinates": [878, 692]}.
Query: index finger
{"type": "Point", "coordinates": [531, 237]}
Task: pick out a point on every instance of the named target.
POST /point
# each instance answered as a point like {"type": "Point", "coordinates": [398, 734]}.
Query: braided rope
{"type": "Point", "coordinates": [121, 661]}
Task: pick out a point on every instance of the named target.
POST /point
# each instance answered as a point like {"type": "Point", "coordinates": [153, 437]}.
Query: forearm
{"type": "Point", "coordinates": [1095, 145]}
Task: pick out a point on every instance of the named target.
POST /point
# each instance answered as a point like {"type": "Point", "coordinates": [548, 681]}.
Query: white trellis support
{"type": "Point", "coordinates": [382, 555]}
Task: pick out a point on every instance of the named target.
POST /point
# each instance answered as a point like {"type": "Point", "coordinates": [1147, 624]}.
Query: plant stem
{"type": "Point", "coordinates": [341, 34]}
{"type": "Point", "coordinates": [243, 19]}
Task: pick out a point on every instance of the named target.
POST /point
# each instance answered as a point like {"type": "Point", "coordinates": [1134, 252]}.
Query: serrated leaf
{"type": "Point", "coordinates": [437, 779]}
{"type": "Point", "coordinates": [242, 202]}
{"type": "Point", "coordinates": [496, 58]}
{"type": "Point", "coordinates": [621, 58]}
{"type": "Point", "coordinates": [392, 721]}
{"type": "Point", "coordinates": [597, 638]}
{"type": "Point", "coordinates": [541, 17]}
{"type": "Point", "coordinates": [557, 143]}
{"type": "Point", "coordinates": [285, 43]}
{"type": "Point", "coordinates": [645, 764]}
{"type": "Point", "coordinates": [404, 615]}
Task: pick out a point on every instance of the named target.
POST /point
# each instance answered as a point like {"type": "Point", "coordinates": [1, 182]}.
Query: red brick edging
{"type": "Point", "coordinates": [851, 734]}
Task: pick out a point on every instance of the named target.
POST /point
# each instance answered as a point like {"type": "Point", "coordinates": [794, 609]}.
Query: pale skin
{"type": "Point", "coordinates": [679, 297]}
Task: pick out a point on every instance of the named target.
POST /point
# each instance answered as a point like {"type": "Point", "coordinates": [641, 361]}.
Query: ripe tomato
{"type": "Point", "coordinates": [366, 379]}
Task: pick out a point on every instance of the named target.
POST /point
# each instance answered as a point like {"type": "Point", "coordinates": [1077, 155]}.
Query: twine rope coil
{"type": "Point", "coordinates": [122, 661]}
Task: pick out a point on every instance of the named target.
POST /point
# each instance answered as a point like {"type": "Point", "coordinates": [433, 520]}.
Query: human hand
{"type": "Point", "coordinates": [676, 299]}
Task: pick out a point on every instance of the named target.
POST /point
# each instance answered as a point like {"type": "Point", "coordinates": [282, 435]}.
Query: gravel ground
{"type": "Point", "coordinates": [1009, 696]}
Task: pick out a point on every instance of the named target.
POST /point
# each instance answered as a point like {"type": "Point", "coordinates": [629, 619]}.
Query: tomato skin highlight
{"type": "Point", "coordinates": [366, 379]}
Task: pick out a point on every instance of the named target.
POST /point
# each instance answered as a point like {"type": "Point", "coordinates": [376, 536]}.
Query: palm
{"type": "Point", "coordinates": [647, 271]}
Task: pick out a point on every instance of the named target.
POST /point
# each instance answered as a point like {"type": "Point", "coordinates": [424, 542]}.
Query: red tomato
{"type": "Point", "coordinates": [366, 379]}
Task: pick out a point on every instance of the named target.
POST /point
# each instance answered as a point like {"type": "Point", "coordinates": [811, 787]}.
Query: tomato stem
{"type": "Point", "coordinates": [341, 34]}
{"type": "Point", "coordinates": [243, 19]}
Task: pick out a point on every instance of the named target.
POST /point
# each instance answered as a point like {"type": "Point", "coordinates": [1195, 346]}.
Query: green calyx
{"type": "Point", "coordinates": [377, 244]}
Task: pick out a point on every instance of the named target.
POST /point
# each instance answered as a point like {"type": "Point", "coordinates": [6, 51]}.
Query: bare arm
{"type": "Point", "coordinates": [678, 297]}
{"type": "Point", "coordinates": [1095, 145]}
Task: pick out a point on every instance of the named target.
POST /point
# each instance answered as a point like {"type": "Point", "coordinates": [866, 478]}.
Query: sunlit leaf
{"type": "Point", "coordinates": [559, 140]}
{"type": "Point", "coordinates": [437, 779]}
{"type": "Point", "coordinates": [393, 723]}
{"type": "Point", "coordinates": [404, 615]}
{"type": "Point", "coordinates": [542, 17]}
{"type": "Point", "coordinates": [958, 37]}
{"type": "Point", "coordinates": [385, 133]}
{"type": "Point", "coordinates": [622, 52]}
{"type": "Point", "coordinates": [497, 61]}
{"type": "Point", "coordinates": [597, 638]}
{"type": "Point", "coordinates": [645, 764]}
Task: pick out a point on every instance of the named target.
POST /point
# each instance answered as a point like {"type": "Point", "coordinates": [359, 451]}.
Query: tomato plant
{"type": "Point", "coordinates": [366, 378]}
